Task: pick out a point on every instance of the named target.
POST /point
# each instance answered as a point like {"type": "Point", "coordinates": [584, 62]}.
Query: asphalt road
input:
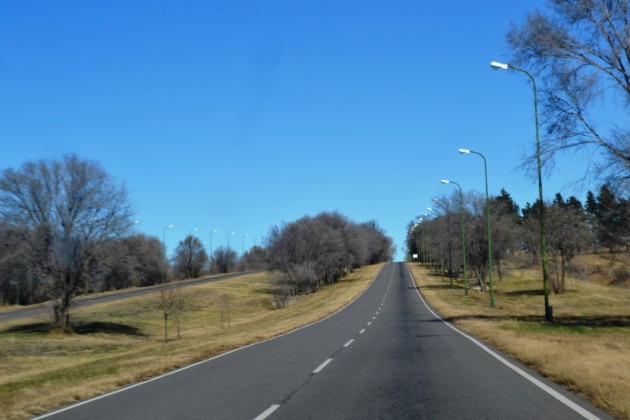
{"type": "Point", "coordinates": [385, 356]}
{"type": "Point", "coordinates": [46, 309]}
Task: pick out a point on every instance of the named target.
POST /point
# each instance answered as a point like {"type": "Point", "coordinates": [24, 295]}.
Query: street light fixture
{"type": "Point", "coordinates": [490, 265]}
{"type": "Point", "coordinates": [461, 223]}
{"type": "Point", "coordinates": [543, 243]}
{"type": "Point", "coordinates": [165, 254]}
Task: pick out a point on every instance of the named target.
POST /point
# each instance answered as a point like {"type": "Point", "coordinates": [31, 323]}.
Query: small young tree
{"type": "Point", "coordinates": [180, 305]}
{"type": "Point", "coordinates": [166, 303]}
{"type": "Point", "coordinates": [225, 305]}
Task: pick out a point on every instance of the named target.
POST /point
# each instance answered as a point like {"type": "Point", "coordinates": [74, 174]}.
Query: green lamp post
{"type": "Point", "coordinates": [543, 242]}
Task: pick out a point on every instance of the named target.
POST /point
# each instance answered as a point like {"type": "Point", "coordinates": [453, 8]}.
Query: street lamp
{"type": "Point", "coordinates": [490, 265]}
{"type": "Point", "coordinates": [256, 239]}
{"type": "Point", "coordinates": [211, 232]}
{"type": "Point", "coordinates": [448, 232]}
{"type": "Point", "coordinates": [543, 243]}
{"type": "Point", "coordinates": [461, 223]}
{"type": "Point", "coordinates": [441, 254]}
{"type": "Point", "coordinates": [427, 246]}
{"type": "Point", "coordinates": [165, 255]}
{"type": "Point", "coordinates": [193, 230]}
{"type": "Point", "coordinates": [228, 239]}
{"type": "Point", "coordinates": [243, 243]}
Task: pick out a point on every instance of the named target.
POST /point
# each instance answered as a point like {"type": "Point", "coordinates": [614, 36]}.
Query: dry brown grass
{"type": "Point", "coordinates": [120, 343]}
{"type": "Point", "coordinates": [586, 348]}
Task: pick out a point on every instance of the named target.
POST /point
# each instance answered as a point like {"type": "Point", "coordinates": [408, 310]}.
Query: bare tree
{"type": "Point", "coordinates": [166, 303]}
{"type": "Point", "coordinates": [137, 260]}
{"type": "Point", "coordinates": [254, 259]}
{"type": "Point", "coordinates": [314, 251]}
{"type": "Point", "coordinates": [70, 207]}
{"type": "Point", "coordinates": [223, 260]}
{"type": "Point", "coordinates": [225, 306]}
{"type": "Point", "coordinates": [190, 258]}
{"type": "Point", "coordinates": [581, 54]}
{"type": "Point", "coordinates": [180, 305]}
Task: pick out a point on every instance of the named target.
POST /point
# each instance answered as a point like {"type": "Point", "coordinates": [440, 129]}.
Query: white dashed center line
{"type": "Point", "coordinates": [322, 366]}
{"type": "Point", "coordinates": [267, 412]}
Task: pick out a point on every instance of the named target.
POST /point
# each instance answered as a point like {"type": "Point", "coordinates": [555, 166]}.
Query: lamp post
{"type": "Point", "coordinates": [228, 239]}
{"type": "Point", "coordinates": [243, 243]}
{"type": "Point", "coordinates": [490, 265]}
{"type": "Point", "coordinates": [422, 248]}
{"type": "Point", "coordinates": [165, 254]}
{"type": "Point", "coordinates": [193, 230]}
{"type": "Point", "coordinates": [441, 255]}
{"type": "Point", "coordinates": [427, 253]}
{"type": "Point", "coordinates": [256, 239]}
{"type": "Point", "coordinates": [543, 242]}
{"type": "Point", "coordinates": [211, 232]}
{"type": "Point", "coordinates": [461, 222]}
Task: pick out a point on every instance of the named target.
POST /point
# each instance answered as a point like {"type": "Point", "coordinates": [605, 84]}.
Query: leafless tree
{"type": "Point", "coordinates": [315, 251]}
{"type": "Point", "coordinates": [225, 306]}
{"type": "Point", "coordinates": [580, 51]}
{"type": "Point", "coordinates": [136, 260]}
{"type": "Point", "coordinates": [166, 303]}
{"type": "Point", "coordinates": [70, 208]}
{"type": "Point", "coordinates": [223, 260]}
{"type": "Point", "coordinates": [190, 258]}
{"type": "Point", "coordinates": [180, 306]}
{"type": "Point", "coordinates": [254, 259]}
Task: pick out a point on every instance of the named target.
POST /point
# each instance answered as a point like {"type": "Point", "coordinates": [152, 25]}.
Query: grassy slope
{"type": "Point", "coordinates": [587, 348]}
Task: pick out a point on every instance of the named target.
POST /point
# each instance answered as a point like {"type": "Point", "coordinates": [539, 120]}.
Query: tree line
{"type": "Point", "coordinates": [316, 251]}
{"type": "Point", "coordinates": [572, 228]}
{"type": "Point", "coordinates": [66, 229]}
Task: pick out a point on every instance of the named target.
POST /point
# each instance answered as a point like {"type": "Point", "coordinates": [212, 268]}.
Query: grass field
{"type": "Point", "coordinates": [120, 343]}
{"type": "Point", "coordinates": [586, 348]}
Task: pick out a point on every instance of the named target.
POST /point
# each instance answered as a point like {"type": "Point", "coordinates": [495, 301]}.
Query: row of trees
{"type": "Point", "coordinates": [66, 230]}
{"type": "Point", "coordinates": [571, 228]}
{"type": "Point", "coordinates": [314, 251]}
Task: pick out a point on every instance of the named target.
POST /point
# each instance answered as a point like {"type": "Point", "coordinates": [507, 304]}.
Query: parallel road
{"type": "Point", "coordinates": [45, 309]}
{"type": "Point", "coordinates": [385, 356]}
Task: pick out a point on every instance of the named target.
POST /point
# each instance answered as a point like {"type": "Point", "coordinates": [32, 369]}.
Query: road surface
{"type": "Point", "coordinates": [385, 356]}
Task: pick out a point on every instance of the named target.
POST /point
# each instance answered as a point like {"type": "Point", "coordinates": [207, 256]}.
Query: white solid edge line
{"type": "Point", "coordinates": [322, 366]}
{"type": "Point", "coordinates": [206, 360]}
{"type": "Point", "coordinates": [267, 412]}
{"type": "Point", "coordinates": [564, 400]}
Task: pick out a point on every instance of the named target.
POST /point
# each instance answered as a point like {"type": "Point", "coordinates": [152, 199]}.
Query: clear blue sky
{"type": "Point", "coordinates": [240, 115]}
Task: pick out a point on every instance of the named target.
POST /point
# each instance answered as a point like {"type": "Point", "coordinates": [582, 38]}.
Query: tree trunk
{"type": "Point", "coordinates": [165, 327]}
